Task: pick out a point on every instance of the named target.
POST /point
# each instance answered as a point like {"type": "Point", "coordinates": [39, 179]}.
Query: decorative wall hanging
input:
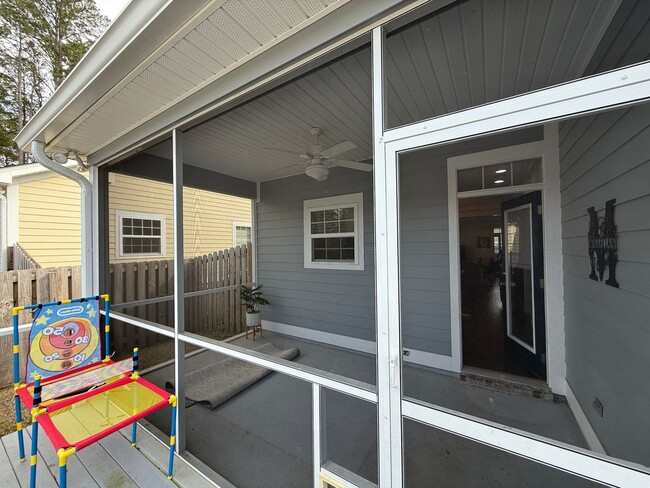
{"type": "Point", "coordinates": [602, 244]}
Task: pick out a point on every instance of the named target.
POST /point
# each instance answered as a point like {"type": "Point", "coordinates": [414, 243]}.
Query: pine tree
{"type": "Point", "coordinates": [41, 41]}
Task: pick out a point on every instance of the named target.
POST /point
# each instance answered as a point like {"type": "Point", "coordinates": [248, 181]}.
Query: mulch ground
{"type": "Point", "coordinates": [149, 356]}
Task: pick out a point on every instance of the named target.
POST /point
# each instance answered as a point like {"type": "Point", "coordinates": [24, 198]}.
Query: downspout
{"type": "Point", "coordinates": [3, 232]}
{"type": "Point", "coordinates": [38, 151]}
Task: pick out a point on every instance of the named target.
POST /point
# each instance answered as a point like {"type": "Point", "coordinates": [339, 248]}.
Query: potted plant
{"type": "Point", "coordinates": [252, 299]}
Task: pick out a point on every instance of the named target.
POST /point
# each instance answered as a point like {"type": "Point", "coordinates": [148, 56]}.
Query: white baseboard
{"type": "Point", "coordinates": [421, 358]}
{"type": "Point", "coordinates": [583, 422]}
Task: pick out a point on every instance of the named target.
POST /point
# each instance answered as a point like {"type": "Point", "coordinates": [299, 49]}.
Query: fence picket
{"type": "Point", "coordinates": [218, 310]}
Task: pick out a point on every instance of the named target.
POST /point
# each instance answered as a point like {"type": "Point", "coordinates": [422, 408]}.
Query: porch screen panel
{"type": "Point", "coordinates": [349, 438]}
{"type": "Point", "coordinates": [602, 158]}
{"type": "Point", "coordinates": [475, 52]}
{"type": "Point", "coordinates": [433, 457]}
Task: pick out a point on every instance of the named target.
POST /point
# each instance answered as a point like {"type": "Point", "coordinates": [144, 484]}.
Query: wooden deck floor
{"type": "Point", "coordinates": [112, 462]}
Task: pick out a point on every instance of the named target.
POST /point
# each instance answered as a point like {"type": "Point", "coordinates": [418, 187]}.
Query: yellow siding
{"type": "Point", "coordinates": [49, 226]}
{"type": "Point", "coordinates": [208, 216]}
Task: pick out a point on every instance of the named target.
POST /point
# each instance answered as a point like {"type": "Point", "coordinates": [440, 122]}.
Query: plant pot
{"type": "Point", "coordinates": [253, 319]}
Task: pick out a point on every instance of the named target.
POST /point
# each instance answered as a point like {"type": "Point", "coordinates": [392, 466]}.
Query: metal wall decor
{"type": "Point", "coordinates": [602, 244]}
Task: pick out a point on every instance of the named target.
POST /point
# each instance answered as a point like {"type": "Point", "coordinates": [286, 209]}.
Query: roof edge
{"type": "Point", "coordinates": [121, 33]}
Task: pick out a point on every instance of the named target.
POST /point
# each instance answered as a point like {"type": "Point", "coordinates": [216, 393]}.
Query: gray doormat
{"type": "Point", "coordinates": [217, 383]}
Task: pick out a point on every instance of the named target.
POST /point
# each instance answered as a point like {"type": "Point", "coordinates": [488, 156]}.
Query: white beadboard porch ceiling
{"type": "Point", "coordinates": [222, 36]}
{"type": "Point", "coordinates": [475, 52]}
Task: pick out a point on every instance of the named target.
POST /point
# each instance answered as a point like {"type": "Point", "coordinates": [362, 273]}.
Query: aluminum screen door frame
{"type": "Point", "coordinates": [614, 89]}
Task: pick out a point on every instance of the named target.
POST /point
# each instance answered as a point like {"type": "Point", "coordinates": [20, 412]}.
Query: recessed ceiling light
{"type": "Point", "coordinates": [498, 181]}
{"type": "Point", "coordinates": [499, 171]}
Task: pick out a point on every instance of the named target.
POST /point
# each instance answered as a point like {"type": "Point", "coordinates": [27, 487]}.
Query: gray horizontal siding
{"type": "Point", "coordinates": [607, 330]}
{"type": "Point", "coordinates": [343, 302]}
{"type": "Point", "coordinates": [424, 248]}
{"type": "Point", "coordinates": [335, 301]}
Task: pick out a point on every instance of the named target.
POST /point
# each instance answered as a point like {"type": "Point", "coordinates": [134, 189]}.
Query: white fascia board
{"type": "Point", "coordinates": [137, 31]}
{"type": "Point", "coordinates": [9, 173]}
{"type": "Point", "coordinates": [336, 24]}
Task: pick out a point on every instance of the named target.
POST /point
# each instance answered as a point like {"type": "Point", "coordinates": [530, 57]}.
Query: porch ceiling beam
{"type": "Point", "coordinates": [614, 89]}
{"type": "Point", "coordinates": [160, 169]}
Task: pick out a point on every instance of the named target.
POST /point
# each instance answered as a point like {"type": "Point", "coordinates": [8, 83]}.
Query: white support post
{"type": "Point", "coordinates": [317, 442]}
{"type": "Point", "coordinates": [94, 181]}
{"type": "Point", "coordinates": [388, 361]}
{"type": "Point", "coordinates": [179, 289]}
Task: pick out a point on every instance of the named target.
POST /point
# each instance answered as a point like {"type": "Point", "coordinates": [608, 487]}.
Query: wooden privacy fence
{"type": "Point", "coordinates": [27, 287]}
{"type": "Point", "coordinates": [206, 314]}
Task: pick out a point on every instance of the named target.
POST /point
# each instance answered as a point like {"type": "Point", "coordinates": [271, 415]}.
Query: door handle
{"type": "Point", "coordinates": [393, 369]}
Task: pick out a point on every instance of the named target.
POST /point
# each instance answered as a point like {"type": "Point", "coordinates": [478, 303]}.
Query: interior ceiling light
{"type": "Point", "coordinates": [498, 181]}
{"type": "Point", "coordinates": [499, 171]}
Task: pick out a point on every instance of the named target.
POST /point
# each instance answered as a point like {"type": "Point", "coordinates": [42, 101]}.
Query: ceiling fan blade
{"type": "Point", "coordinates": [339, 148]}
{"type": "Point", "coordinates": [352, 164]}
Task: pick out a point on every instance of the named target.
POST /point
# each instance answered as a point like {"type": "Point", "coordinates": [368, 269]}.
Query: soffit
{"type": "Point", "coordinates": [338, 97]}
{"type": "Point", "coordinates": [220, 37]}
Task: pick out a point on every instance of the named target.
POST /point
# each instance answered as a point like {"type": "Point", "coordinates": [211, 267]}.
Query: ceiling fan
{"type": "Point", "coordinates": [317, 160]}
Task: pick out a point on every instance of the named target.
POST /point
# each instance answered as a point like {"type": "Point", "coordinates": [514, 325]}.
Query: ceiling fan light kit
{"type": "Point", "coordinates": [317, 159]}
{"type": "Point", "coordinates": [318, 172]}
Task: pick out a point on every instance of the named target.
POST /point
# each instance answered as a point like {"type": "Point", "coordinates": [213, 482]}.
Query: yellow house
{"type": "Point", "coordinates": [43, 216]}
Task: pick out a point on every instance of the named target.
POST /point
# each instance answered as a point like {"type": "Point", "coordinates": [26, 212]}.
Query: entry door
{"type": "Point", "coordinates": [524, 281]}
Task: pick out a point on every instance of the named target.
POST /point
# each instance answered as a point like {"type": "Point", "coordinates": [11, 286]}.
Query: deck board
{"type": "Point", "coordinates": [110, 462]}
{"type": "Point", "coordinates": [44, 478]}
{"type": "Point", "coordinates": [7, 475]}
{"type": "Point", "coordinates": [140, 469]}
{"type": "Point", "coordinates": [76, 470]}
{"type": "Point", "coordinates": [105, 471]}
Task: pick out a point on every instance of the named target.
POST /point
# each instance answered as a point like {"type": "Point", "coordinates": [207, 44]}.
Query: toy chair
{"type": "Point", "coordinates": [74, 395]}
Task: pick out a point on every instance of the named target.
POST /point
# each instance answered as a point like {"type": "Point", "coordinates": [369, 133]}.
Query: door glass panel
{"type": "Point", "coordinates": [519, 272]}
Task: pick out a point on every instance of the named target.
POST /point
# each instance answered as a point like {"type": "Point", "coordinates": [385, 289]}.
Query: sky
{"type": "Point", "coordinates": [111, 8]}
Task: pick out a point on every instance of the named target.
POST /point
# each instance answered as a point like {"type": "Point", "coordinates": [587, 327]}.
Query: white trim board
{"type": "Point", "coordinates": [421, 358]}
{"type": "Point", "coordinates": [583, 422]}
{"type": "Point", "coordinates": [548, 150]}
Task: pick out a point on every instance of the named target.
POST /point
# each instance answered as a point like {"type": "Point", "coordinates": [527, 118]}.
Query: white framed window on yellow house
{"type": "Point", "coordinates": [242, 233]}
{"type": "Point", "coordinates": [140, 234]}
{"type": "Point", "coordinates": [333, 229]}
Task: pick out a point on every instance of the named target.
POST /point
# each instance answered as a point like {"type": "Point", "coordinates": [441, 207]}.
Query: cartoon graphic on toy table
{"type": "Point", "coordinates": [63, 337]}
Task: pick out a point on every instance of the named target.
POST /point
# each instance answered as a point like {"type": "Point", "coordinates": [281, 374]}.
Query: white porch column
{"type": "Point", "coordinates": [179, 289]}
{"type": "Point", "coordinates": [386, 286]}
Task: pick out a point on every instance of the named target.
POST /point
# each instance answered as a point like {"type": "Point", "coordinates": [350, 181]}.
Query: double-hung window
{"type": "Point", "coordinates": [242, 233]}
{"type": "Point", "coordinates": [140, 234]}
{"type": "Point", "coordinates": [334, 232]}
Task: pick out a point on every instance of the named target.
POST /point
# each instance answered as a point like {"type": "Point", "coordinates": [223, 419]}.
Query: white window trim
{"type": "Point", "coordinates": [121, 214]}
{"type": "Point", "coordinates": [354, 200]}
{"type": "Point", "coordinates": [234, 231]}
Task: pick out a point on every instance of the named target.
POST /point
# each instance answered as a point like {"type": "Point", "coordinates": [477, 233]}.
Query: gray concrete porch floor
{"type": "Point", "coordinates": [262, 437]}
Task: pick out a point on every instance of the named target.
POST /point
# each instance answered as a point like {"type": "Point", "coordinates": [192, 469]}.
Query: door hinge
{"type": "Point", "coordinates": [543, 358]}
{"type": "Point", "coordinates": [539, 210]}
{"type": "Point", "coordinates": [541, 283]}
